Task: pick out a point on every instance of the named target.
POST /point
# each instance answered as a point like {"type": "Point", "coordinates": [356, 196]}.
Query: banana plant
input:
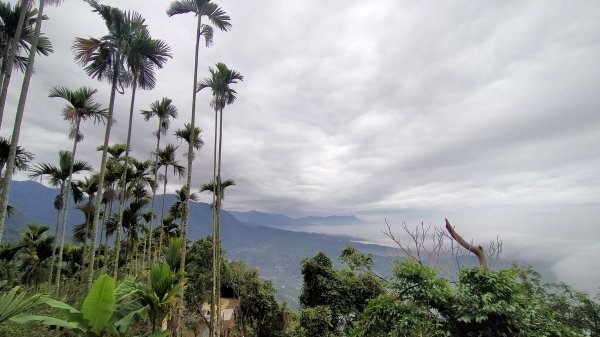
{"type": "Point", "coordinates": [107, 310]}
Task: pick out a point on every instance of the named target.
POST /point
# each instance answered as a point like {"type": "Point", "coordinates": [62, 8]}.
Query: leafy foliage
{"type": "Point", "coordinates": [16, 301]}
{"type": "Point", "coordinates": [316, 321]}
{"type": "Point", "coordinates": [509, 302]}
{"type": "Point", "coordinates": [106, 310]}
{"type": "Point", "coordinates": [343, 293]}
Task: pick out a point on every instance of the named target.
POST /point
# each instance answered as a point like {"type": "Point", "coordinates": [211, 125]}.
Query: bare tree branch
{"type": "Point", "coordinates": [477, 250]}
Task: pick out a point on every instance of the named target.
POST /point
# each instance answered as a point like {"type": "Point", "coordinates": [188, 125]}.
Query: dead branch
{"type": "Point", "coordinates": [477, 250]}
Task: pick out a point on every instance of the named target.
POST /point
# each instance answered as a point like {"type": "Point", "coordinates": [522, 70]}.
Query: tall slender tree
{"type": "Point", "coordinates": [9, 18]}
{"type": "Point", "coordinates": [210, 187]}
{"type": "Point", "coordinates": [139, 177]}
{"type": "Point", "coordinates": [176, 210]}
{"type": "Point", "coordinates": [186, 133]}
{"type": "Point", "coordinates": [22, 159]}
{"type": "Point", "coordinates": [12, 53]}
{"type": "Point", "coordinates": [5, 190]}
{"type": "Point", "coordinates": [35, 254]}
{"type": "Point", "coordinates": [104, 59]}
{"type": "Point", "coordinates": [217, 16]}
{"type": "Point", "coordinates": [166, 158]}
{"type": "Point", "coordinates": [148, 216]}
{"type": "Point", "coordinates": [132, 217]}
{"type": "Point", "coordinates": [80, 107]}
{"type": "Point", "coordinates": [89, 186]}
{"type": "Point", "coordinates": [163, 110]}
{"type": "Point", "coordinates": [114, 165]}
{"type": "Point", "coordinates": [142, 55]}
{"type": "Point", "coordinates": [58, 176]}
{"type": "Point", "coordinates": [219, 83]}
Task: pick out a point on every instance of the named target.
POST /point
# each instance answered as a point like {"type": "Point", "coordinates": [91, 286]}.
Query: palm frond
{"type": "Point", "coordinates": [208, 33]}
{"type": "Point", "coordinates": [185, 134]}
{"type": "Point", "coordinates": [15, 302]}
{"type": "Point", "coordinates": [212, 187]}
{"type": "Point", "coordinates": [181, 7]}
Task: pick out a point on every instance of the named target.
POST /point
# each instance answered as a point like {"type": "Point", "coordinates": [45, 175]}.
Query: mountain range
{"type": "Point", "coordinates": [266, 241]}
{"type": "Point", "coordinates": [256, 218]}
{"type": "Point", "coordinates": [275, 244]}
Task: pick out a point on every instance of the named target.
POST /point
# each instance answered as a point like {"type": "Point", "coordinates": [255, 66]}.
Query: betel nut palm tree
{"type": "Point", "coordinates": [217, 16]}
{"type": "Point", "coordinates": [57, 176]}
{"type": "Point", "coordinates": [22, 159]}
{"type": "Point", "coordinates": [176, 210]}
{"type": "Point", "coordinates": [142, 55]}
{"type": "Point", "coordinates": [219, 83]}
{"type": "Point", "coordinates": [210, 187]}
{"type": "Point", "coordinates": [139, 177]}
{"type": "Point", "coordinates": [5, 185]}
{"type": "Point", "coordinates": [216, 246]}
{"type": "Point", "coordinates": [166, 159]}
{"type": "Point", "coordinates": [104, 59]}
{"type": "Point", "coordinates": [163, 110]}
{"type": "Point", "coordinates": [186, 133]}
{"type": "Point", "coordinates": [89, 187]}
{"type": "Point", "coordinates": [80, 107]}
{"type": "Point", "coordinates": [12, 53]}
{"type": "Point", "coordinates": [9, 21]}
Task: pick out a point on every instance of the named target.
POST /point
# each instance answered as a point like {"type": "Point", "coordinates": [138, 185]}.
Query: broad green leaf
{"type": "Point", "coordinates": [61, 305]}
{"type": "Point", "coordinates": [112, 331]}
{"type": "Point", "coordinates": [99, 304]}
{"type": "Point", "coordinates": [47, 321]}
{"type": "Point", "coordinates": [125, 288]}
{"type": "Point", "coordinates": [123, 324]}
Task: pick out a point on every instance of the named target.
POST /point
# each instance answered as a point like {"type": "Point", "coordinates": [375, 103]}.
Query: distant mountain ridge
{"type": "Point", "coordinates": [275, 220]}
{"type": "Point", "coordinates": [256, 218]}
{"type": "Point", "coordinates": [334, 220]}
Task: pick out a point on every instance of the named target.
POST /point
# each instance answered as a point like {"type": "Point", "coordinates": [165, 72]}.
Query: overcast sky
{"type": "Point", "coordinates": [484, 112]}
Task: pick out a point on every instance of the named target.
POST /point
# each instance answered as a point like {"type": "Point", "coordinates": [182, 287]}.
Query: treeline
{"type": "Point", "coordinates": [353, 301]}
{"type": "Point", "coordinates": [417, 301]}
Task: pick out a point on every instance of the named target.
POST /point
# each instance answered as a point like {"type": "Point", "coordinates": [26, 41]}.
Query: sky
{"type": "Point", "coordinates": [487, 113]}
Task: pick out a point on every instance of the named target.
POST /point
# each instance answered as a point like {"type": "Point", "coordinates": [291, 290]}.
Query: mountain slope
{"type": "Point", "coordinates": [256, 218]}
{"type": "Point", "coordinates": [276, 253]}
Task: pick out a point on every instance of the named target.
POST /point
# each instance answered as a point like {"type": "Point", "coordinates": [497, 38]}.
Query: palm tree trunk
{"type": "Point", "coordinates": [218, 212]}
{"type": "Point", "coordinates": [13, 53]}
{"type": "Point", "coordinates": [162, 212]}
{"type": "Point", "coordinates": [84, 251]}
{"type": "Point", "coordinates": [56, 227]}
{"type": "Point", "coordinates": [135, 258]}
{"type": "Point", "coordinates": [102, 173]}
{"type": "Point", "coordinates": [214, 298]}
{"type": "Point", "coordinates": [88, 234]}
{"type": "Point", "coordinates": [124, 181]}
{"type": "Point", "coordinates": [127, 246]}
{"type": "Point", "coordinates": [144, 252]}
{"type": "Point", "coordinates": [190, 157]}
{"type": "Point", "coordinates": [106, 238]}
{"type": "Point", "coordinates": [103, 228]}
{"type": "Point", "coordinates": [5, 56]}
{"type": "Point", "coordinates": [12, 152]}
{"type": "Point", "coordinates": [154, 186]}
{"type": "Point", "coordinates": [66, 207]}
